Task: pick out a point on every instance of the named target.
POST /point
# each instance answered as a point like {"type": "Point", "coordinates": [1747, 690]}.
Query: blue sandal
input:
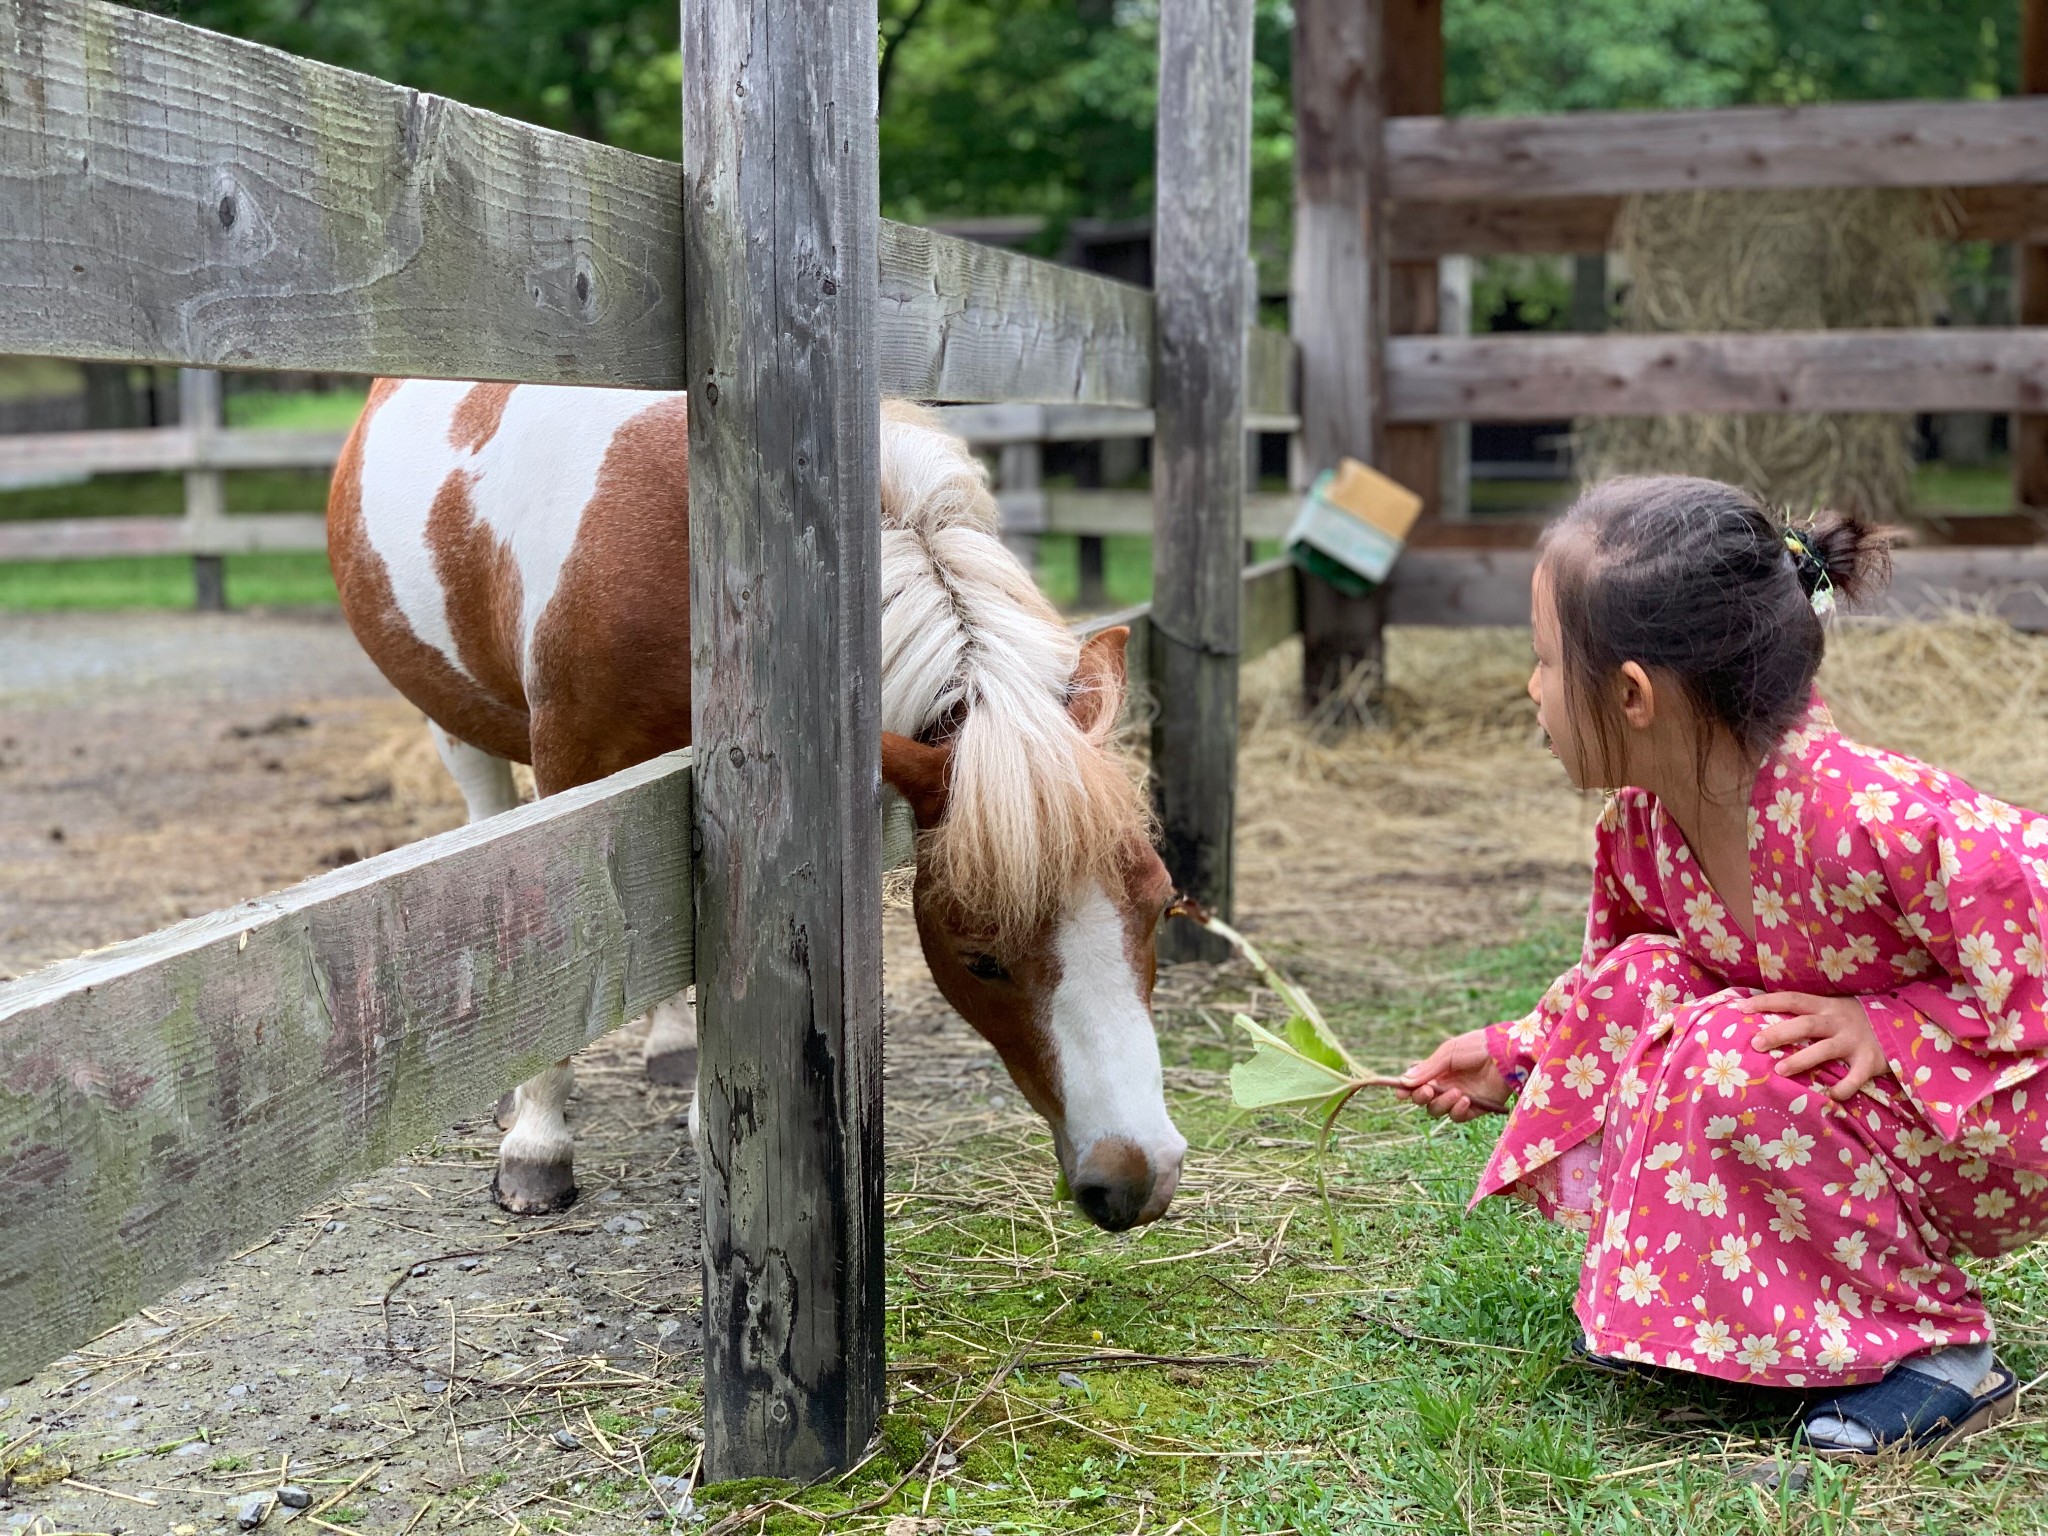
{"type": "Point", "coordinates": [1907, 1413]}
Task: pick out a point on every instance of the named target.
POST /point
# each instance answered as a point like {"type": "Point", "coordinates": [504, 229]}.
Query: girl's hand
{"type": "Point", "coordinates": [1839, 1029]}
{"type": "Point", "coordinates": [1458, 1079]}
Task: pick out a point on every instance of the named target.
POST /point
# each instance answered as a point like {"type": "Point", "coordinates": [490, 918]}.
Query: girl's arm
{"type": "Point", "coordinates": [1968, 1022]}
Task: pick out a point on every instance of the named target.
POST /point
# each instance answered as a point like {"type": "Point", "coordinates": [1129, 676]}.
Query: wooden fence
{"type": "Point", "coordinates": [169, 196]}
{"type": "Point", "coordinates": [1386, 185]}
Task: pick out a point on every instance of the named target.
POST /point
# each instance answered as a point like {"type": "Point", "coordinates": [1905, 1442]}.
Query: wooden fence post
{"type": "Point", "coordinates": [1412, 78]}
{"type": "Point", "coordinates": [1203, 223]}
{"type": "Point", "coordinates": [1021, 467]}
{"type": "Point", "coordinates": [2029, 432]}
{"type": "Point", "coordinates": [1339, 304]}
{"type": "Point", "coordinates": [199, 412]}
{"type": "Point", "coordinates": [780, 256]}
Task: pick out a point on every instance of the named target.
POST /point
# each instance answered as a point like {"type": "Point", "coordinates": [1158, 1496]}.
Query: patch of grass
{"type": "Point", "coordinates": [295, 410]}
{"type": "Point", "coordinates": [1220, 1371]}
{"type": "Point", "coordinates": [1963, 488]}
{"type": "Point", "coordinates": [233, 1462]}
{"type": "Point", "coordinates": [284, 580]}
{"type": "Point", "coordinates": [1126, 567]}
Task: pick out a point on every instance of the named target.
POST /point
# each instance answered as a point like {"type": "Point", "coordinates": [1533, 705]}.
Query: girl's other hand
{"type": "Point", "coordinates": [1458, 1079]}
{"type": "Point", "coordinates": [1838, 1027]}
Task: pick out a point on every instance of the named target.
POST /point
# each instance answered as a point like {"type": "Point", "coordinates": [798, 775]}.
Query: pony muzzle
{"type": "Point", "coordinates": [1118, 1185]}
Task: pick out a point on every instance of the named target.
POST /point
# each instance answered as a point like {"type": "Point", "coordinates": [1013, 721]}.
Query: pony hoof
{"type": "Point", "coordinates": [533, 1189]}
{"type": "Point", "coordinates": [673, 1069]}
{"type": "Point", "coordinates": [507, 1110]}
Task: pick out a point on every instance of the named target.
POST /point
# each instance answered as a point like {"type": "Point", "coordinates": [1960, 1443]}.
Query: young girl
{"type": "Point", "coordinates": [1792, 1076]}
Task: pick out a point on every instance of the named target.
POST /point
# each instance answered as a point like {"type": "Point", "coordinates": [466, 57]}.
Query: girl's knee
{"type": "Point", "coordinates": [1643, 959]}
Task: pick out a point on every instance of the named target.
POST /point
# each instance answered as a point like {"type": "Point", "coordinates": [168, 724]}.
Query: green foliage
{"type": "Point", "coordinates": [1528, 56]}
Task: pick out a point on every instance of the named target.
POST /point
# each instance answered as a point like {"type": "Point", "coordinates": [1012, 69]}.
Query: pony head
{"type": "Point", "coordinates": [1038, 900]}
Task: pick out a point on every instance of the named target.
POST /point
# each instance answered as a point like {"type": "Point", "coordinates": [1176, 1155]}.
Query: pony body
{"type": "Point", "coordinates": [516, 560]}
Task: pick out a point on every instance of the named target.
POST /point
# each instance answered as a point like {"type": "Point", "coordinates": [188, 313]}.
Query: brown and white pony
{"type": "Point", "coordinates": [516, 560]}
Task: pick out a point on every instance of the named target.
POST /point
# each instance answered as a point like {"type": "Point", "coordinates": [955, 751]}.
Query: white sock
{"type": "Point", "coordinates": [1960, 1365]}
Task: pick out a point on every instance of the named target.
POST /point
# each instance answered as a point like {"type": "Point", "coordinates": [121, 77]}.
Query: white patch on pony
{"type": "Point", "coordinates": [1107, 1056]}
{"type": "Point", "coordinates": [540, 1132]}
{"type": "Point", "coordinates": [406, 459]}
{"type": "Point", "coordinates": [485, 781]}
{"type": "Point", "coordinates": [537, 474]}
{"type": "Point", "coordinates": [529, 485]}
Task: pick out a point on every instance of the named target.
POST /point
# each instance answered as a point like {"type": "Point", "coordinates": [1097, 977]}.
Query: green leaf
{"type": "Point", "coordinates": [1280, 1072]}
{"type": "Point", "coordinates": [1307, 1024]}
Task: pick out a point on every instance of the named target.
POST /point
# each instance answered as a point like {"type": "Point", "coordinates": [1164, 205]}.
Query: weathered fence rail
{"type": "Point", "coordinates": [368, 227]}
{"type": "Point", "coordinates": [1532, 377]}
{"type": "Point", "coordinates": [162, 1100]}
{"type": "Point", "coordinates": [1845, 144]}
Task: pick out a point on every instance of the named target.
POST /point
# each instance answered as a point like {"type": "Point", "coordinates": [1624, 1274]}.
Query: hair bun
{"type": "Point", "coordinates": [1841, 553]}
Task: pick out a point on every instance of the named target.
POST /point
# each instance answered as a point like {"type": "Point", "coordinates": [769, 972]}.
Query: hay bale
{"type": "Point", "coordinates": [1775, 261]}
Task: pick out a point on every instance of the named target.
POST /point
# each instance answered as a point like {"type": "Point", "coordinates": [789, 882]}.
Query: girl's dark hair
{"type": "Point", "coordinates": [1701, 581]}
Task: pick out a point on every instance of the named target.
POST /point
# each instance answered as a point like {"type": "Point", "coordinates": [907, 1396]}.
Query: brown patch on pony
{"type": "Point", "coordinates": [480, 582]}
{"type": "Point", "coordinates": [610, 675]}
{"type": "Point", "coordinates": [477, 415]}
{"type": "Point", "coordinates": [414, 668]}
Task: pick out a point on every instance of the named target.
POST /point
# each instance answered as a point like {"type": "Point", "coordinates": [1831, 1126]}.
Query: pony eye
{"type": "Point", "coordinates": [985, 967]}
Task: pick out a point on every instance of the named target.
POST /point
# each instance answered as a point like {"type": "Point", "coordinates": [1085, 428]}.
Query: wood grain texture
{"type": "Point", "coordinates": [1851, 144]}
{"type": "Point", "coordinates": [167, 194]}
{"type": "Point", "coordinates": [780, 187]}
{"type": "Point", "coordinates": [1579, 226]}
{"type": "Point", "coordinates": [961, 321]}
{"type": "Point", "coordinates": [1202, 294]}
{"type": "Point", "coordinates": [1542, 378]}
{"type": "Point", "coordinates": [165, 1102]}
{"type": "Point", "coordinates": [1339, 311]}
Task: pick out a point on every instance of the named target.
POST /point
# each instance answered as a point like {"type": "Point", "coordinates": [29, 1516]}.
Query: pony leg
{"type": "Point", "coordinates": [485, 781]}
{"type": "Point", "coordinates": [671, 1053]}
{"type": "Point", "coordinates": [487, 789]}
{"type": "Point", "coordinates": [536, 1160]}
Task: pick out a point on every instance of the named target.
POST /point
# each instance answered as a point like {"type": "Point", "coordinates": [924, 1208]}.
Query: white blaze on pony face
{"type": "Point", "coordinates": [1105, 1057]}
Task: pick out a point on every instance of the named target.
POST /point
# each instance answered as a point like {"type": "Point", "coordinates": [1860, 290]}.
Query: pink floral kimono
{"type": "Point", "coordinates": [1743, 1224]}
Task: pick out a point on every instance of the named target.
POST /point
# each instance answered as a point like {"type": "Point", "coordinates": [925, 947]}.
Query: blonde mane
{"type": "Point", "coordinates": [1037, 804]}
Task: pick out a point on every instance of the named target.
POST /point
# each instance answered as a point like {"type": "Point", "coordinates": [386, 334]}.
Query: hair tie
{"type": "Point", "coordinates": [1812, 572]}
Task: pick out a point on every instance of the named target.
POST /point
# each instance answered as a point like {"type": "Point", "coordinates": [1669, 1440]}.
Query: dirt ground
{"type": "Point", "coordinates": [405, 1354]}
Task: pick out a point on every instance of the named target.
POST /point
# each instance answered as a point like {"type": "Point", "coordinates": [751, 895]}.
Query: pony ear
{"type": "Point", "coordinates": [1097, 697]}
{"type": "Point", "coordinates": [919, 774]}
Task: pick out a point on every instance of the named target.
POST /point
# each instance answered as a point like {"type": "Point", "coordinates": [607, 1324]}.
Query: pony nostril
{"type": "Point", "coordinates": [1115, 1207]}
